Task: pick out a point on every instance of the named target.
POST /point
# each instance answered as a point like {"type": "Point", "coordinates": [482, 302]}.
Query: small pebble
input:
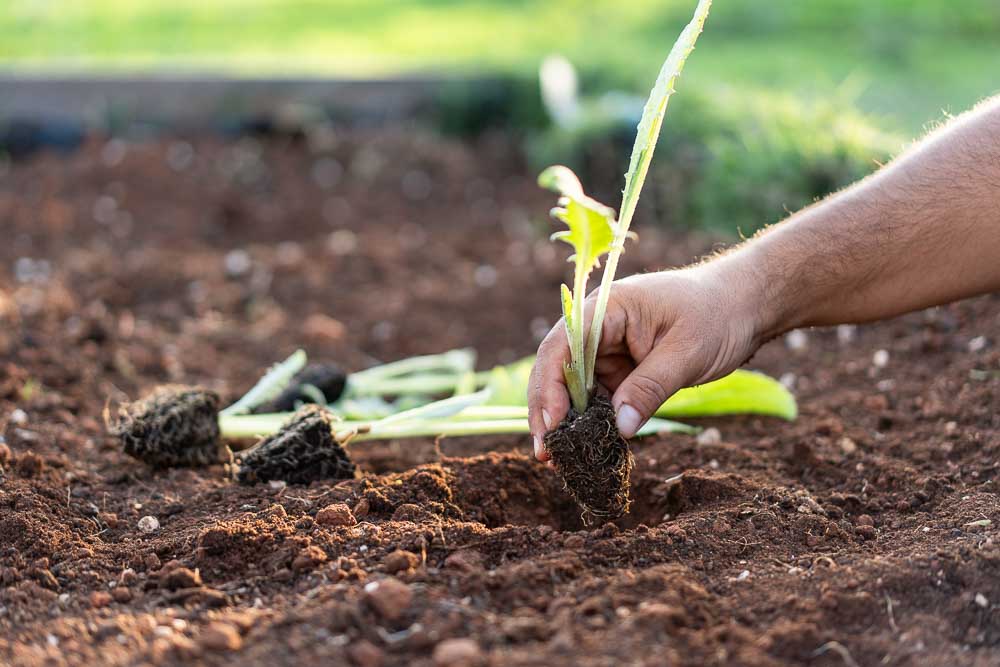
{"type": "Point", "coordinates": [848, 446]}
{"type": "Point", "coordinates": [846, 333]}
{"type": "Point", "coordinates": [309, 558]}
{"type": "Point", "coordinates": [880, 359]}
{"type": "Point", "coordinates": [149, 524]}
{"type": "Point", "coordinates": [121, 594]}
{"type": "Point", "coordinates": [390, 597]}
{"type": "Point", "coordinates": [977, 344]}
{"type": "Point", "coordinates": [457, 653]}
{"type": "Point", "coordinates": [710, 436]}
{"type": "Point", "coordinates": [365, 654]}
{"type": "Point", "coordinates": [219, 636]}
{"type": "Point", "coordinates": [100, 599]}
{"type": "Point", "coordinates": [796, 340]}
{"type": "Point", "coordinates": [400, 561]}
{"type": "Point", "coordinates": [337, 514]}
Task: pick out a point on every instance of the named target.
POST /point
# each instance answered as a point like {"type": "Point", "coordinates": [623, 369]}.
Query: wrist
{"type": "Point", "coordinates": [758, 296]}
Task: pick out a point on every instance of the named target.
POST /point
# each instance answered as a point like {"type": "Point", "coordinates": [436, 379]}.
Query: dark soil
{"type": "Point", "coordinates": [593, 460]}
{"type": "Point", "coordinates": [864, 533]}
{"type": "Point", "coordinates": [303, 451]}
{"type": "Point", "coordinates": [173, 426]}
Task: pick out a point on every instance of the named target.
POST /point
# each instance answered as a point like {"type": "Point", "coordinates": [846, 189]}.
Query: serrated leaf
{"type": "Point", "coordinates": [656, 106]}
{"type": "Point", "coordinates": [739, 393]}
{"type": "Point", "coordinates": [591, 223]}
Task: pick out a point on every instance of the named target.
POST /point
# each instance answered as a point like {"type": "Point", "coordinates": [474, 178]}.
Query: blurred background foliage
{"type": "Point", "coordinates": [784, 100]}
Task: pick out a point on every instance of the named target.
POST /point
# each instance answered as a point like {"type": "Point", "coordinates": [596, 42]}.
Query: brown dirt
{"type": "Point", "coordinates": [864, 533]}
{"type": "Point", "coordinates": [593, 460]}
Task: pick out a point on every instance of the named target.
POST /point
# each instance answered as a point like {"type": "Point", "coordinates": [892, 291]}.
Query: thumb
{"type": "Point", "coordinates": [646, 388]}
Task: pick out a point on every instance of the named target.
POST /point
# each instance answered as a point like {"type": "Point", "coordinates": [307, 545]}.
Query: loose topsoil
{"type": "Point", "coordinates": [865, 533]}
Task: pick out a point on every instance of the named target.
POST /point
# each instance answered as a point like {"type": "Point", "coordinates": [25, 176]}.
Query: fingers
{"type": "Point", "coordinates": [648, 387]}
{"type": "Point", "coordinates": [548, 399]}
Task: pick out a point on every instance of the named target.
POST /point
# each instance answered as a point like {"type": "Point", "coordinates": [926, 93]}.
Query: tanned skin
{"type": "Point", "coordinates": [922, 231]}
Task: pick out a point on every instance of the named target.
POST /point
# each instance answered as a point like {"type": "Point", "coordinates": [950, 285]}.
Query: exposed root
{"type": "Point", "coordinates": [593, 460]}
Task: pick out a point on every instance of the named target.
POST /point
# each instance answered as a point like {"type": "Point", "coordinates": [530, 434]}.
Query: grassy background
{"type": "Point", "coordinates": [908, 60]}
{"type": "Point", "coordinates": [783, 102]}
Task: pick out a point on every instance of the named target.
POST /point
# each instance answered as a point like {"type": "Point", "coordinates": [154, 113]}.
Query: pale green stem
{"type": "Point", "coordinates": [578, 390]}
{"type": "Point", "coordinates": [642, 154]}
{"type": "Point", "coordinates": [428, 385]}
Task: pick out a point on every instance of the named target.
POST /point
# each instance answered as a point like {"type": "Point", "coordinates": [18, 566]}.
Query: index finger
{"type": "Point", "coordinates": [548, 398]}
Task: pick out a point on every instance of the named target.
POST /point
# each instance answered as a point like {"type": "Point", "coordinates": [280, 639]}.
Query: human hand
{"type": "Point", "coordinates": [662, 332]}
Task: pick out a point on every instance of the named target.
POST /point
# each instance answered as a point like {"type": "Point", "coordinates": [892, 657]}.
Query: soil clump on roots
{"type": "Point", "coordinates": [173, 426]}
{"type": "Point", "coordinates": [593, 460]}
{"type": "Point", "coordinates": [303, 451]}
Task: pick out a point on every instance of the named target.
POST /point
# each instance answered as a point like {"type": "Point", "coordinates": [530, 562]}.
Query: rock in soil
{"type": "Point", "coordinates": [173, 426]}
{"type": "Point", "coordinates": [400, 561]}
{"type": "Point", "coordinates": [390, 597]}
{"type": "Point", "coordinates": [593, 460]}
{"type": "Point", "coordinates": [337, 514]}
{"type": "Point", "coordinates": [303, 451]}
{"type": "Point", "coordinates": [457, 653]}
{"type": "Point", "coordinates": [219, 636]}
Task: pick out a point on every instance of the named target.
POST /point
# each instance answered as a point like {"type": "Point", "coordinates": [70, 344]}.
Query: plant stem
{"type": "Point", "coordinates": [578, 390]}
{"type": "Point", "coordinates": [422, 384]}
{"type": "Point", "coordinates": [642, 154]}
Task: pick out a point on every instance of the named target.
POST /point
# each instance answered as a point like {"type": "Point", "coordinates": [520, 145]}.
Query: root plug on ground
{"type": "Point", "coordinates": [593, 460]}
{"type": "Point", "coordinates": [328, 379]}
{"type": "Point", "coordinates": [303, 451]}
{"type": "Point", "coordinates": [173, 426]}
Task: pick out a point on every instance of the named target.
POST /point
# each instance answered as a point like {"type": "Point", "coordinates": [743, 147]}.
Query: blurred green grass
{"type": "Point", "coordinates": [907, 60]}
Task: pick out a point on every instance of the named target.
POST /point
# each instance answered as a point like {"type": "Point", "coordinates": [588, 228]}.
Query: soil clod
{"type": "Point", "coordinates": [303, 451]}
{"type": "Point", "coordinates": [326, 379]}
{"type": "Point", "coordinates": [173, 426]}
{"type": "Point", "coordinates": [593, 460]}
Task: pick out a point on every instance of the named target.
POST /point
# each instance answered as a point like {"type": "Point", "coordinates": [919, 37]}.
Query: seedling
{"type": "Point", "coordinates": [587, 449]}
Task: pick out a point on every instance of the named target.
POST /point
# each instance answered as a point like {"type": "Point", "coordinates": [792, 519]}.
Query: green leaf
{"type": "Point", "coordinates": [656, 426]}
{"type": "Point", "coordinates": [508, 384]}
{"type": "Point", "coordinates": [656, 106]}
{"type": "Point", "coordinates": [591, 223]}
{"type": "Point", "coordinates": [740, 392]}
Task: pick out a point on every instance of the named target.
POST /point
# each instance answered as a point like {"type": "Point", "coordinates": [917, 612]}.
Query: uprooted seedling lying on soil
{"type": "Point", "coordinates": [587, 449]}
{"type": "Point", "coordinates": [173, 426]}
{"type": "Point", "coordinates": [304, 450]}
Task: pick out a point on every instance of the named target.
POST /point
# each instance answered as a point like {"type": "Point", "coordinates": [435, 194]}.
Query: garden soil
{"type": "Point", "coordinates": [865, 533]}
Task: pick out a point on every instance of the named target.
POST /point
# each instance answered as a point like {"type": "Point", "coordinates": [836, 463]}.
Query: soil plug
{"type": "Point", "coordinates": [173, 426]}
{"type": "Point", "coordinates": [593, 460]}
{"type": "Point", "coordinates": [587, 449]}
{"type": "Point", "coordinates": [304, 450]}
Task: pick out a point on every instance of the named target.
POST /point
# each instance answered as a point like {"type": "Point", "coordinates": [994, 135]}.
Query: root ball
{"type": "Point", "coordinates": [173, 426]}
{"type": "Point", "coordinates": [593, 460]}
{"type": "Point", "coordinates": [303, 451]}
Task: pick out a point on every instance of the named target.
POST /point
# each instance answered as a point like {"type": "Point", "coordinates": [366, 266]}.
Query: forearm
{"type": "Point", "coordinates": [922, 231]}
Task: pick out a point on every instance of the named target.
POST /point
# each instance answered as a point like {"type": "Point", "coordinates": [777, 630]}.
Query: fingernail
{"type": "Point", "coordinates": [547, 418]}
{"type": "Point", "coordinates": [628, 420]}
{"type": "Point", "coordinates": [538, 446]}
